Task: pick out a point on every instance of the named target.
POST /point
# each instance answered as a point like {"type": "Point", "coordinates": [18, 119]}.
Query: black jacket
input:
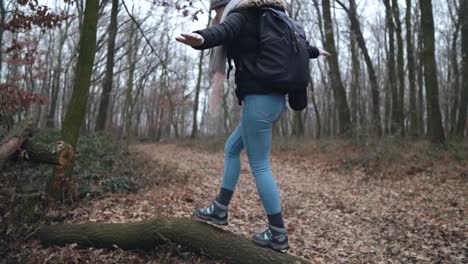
{"type": "Point", "coordinates": [239, 33]}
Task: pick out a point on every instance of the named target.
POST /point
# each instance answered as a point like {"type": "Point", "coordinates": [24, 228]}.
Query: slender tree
{"type": "Point", "coordinates": [454, 71]}
{"type": "Point", "coordinates": [108, 79]}
{"type": "Point", "coordinates": [391, 76]}
{"type": "Point", "coordinates": [316, 110]}
{"type": "Point", "coordinates": [56, 76]}
{"type": "Point", "coordinates": [131, 54]}
{"type": "Point", "coordinates": [2, 19]}
{"type": "Point", "coordinates": [435, 130]}
{"type": "Point", "coordinates": [79, 100]}
{"type": "Point", "coordinates": [197, 89]}
{"type": "Point", "coordinates": [400, 68]}
{"type": "Point", "coordinates": [420, 70]}
{"type": "Point", "coordinates": [413, 128]}
{"type": "Point", "coordinates": [357, 32]}
{"type": "Point", "coordinates": [339, 92]}
{"type": "Point", "coordinates": [462, 112]}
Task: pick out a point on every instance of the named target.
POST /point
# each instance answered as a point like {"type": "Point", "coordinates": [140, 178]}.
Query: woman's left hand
{"type": "Point", "coordinates": [191, 39]}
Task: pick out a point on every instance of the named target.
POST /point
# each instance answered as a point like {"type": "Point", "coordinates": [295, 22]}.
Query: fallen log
{"type": "Point", "coordinates": [11, 143]}
{"type": "Point", "coordinates": [193, 235]}
{"type": "Point", "coordinates": [58, 153]}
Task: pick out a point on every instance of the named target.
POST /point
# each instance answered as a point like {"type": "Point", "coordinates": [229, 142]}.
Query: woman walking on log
{"type": "Point", "coordinates": [238, 36]}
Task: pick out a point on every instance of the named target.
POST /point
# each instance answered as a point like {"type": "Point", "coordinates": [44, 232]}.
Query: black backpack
{"type": "Point", "coordinates": [283, 59]}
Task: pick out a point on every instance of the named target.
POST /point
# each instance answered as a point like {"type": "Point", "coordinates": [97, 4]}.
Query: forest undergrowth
{"type": "Point", "coordinates": [344, 201]}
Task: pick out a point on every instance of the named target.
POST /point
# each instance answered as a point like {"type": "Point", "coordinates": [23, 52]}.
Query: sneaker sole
{"type": "Point", "coordinates": [276, 247]}
{"type": "Point", "coordinates": [210, 219]}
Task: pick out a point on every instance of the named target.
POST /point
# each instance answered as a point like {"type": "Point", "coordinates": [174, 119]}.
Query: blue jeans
{"type": "Point", "coordinates": [254, 133]}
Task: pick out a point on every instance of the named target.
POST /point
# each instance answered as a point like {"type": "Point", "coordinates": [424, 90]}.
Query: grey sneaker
{"type": "Point", "coordinates": [274, 237]}
{"type": "Point", "coordinates": [215, 212]}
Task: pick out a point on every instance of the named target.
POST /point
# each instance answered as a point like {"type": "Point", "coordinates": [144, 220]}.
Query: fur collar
{"type": "Point", "coordinates": [259, 3]}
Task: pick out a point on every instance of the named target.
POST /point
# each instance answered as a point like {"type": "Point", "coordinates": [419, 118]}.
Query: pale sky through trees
{"type": "Point", "coordinates": [369, 10]}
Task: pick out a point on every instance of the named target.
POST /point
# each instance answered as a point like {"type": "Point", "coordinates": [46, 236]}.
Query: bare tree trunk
{"type": "Point", "coordinates": [78, 102]}
{"type": "Point", "coordinates": [391, 68]}
{"type": "Point", "coordinates": [50, 123]}
{"type": "Point", "coordinates": [413, 129]}
{"type": "Point", "coordinates": [462, 112]}
{"type": "Point", "coordinates": [298, 124]}
{"type": "Point", "coordinates": [226, 119]}
{"type": "Point", "coordinates": [421, 125]}
{"type": "Point", "coordinates": [197, 89]}
{"type": "Point", "coordinates": [357, 33]}
{"type": "Point", "coordinates": [2, 18]}
{"type": "Point", "coordinates": [400, 68]}
{"type": "Point", "coordinates": [316, 110]}
{"type": "Point", "coordinates": [334, 71]}
{"type": "Point", "coordinates": [132, 49]}
{"type": "Point", "coordinates": [108, 79]}
{"type": "Point", "coordinates": [435, 131]}
{"type": "Point", "coordinates": [456, 79]}
{"type": "Point", "coordinates": [355, 76]}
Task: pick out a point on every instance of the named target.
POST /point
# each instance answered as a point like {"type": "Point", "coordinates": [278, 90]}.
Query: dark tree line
{"type": "Point", "coordinates": [394, 71]}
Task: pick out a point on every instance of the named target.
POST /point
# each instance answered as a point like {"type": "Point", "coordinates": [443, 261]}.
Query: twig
{"type": "Point", "coordinates": [161, 61]}
{"type": "Point", "coordinates": [143, 34]}
{"type": "Point", "coordinates": [30, 235]}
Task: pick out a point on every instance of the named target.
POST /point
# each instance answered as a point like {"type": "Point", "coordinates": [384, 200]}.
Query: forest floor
{"type": "Point", "coordinates": [342, 203]}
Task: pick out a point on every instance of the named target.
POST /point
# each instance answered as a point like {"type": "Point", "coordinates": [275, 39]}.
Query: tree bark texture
{"type": "Point", "coordinates": [108, 78]}
{"type": "Point", "coordinates": [391, 67]}
{"type": "Point", "coordinates": [357, 32]}
{"type": "Point", "coordinates": [420, 70]}
{"type": "Point", "coordinates": [456, 77]}
{"type": "Point", "coordinates": [79, 100]}
{"type": "Point", "coordinates": [413, 127]}
{"type": "Point", "coordinates": [57, 153]}
{"type": "Point", "coordinates": [316, 110]}
{"type": "Point", "coordinates": [197, 90]}
{"type": "Point", "coordinates": [56, 76]}
{"type": "Point", "coordinates": [196, 236]}
{"type": "Point", "coordinates": [400, 68]}
{"type": "Point", "coordinates": [132, 50]}
{"type": "Point", "coordinates": [339, 92]}
{"type": "Point", "coordinates": [435, 130]}
{"type": "Point", "coordinates": [2, 18]}
{"type": "Point", "coordinates": [462, 113]}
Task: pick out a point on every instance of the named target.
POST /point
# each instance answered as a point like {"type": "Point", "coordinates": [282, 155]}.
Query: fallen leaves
{"type": "Point", "coordinates": [332, 217]}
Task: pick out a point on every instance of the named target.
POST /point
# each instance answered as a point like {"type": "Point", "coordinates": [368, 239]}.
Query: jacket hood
{"type": "Point", "coordinates": [260, 3]}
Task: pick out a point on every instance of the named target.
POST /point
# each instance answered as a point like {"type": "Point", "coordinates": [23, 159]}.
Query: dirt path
{"type": "Point", "coordinates": [332, 215]}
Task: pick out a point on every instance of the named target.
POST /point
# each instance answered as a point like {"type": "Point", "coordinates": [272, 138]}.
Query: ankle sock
{"type": "Point", "coordinates": [219, 207]}
{"type": "Point", "coordinates": [224, 196]}
{"type": "Point", "coordinates": [276, 220]}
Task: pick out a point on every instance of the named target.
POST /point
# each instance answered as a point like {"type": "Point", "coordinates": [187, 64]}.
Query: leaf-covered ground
{"type": "Point", "coordinates": [335, 212]}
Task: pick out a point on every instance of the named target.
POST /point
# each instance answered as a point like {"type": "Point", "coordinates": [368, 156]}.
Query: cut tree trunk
{"type": "Point", "coordinates": [196, 236]}
{"type": "Point", "coordinates": [58, 153]}
{"type": "Point", "coordinates": [11, 143]}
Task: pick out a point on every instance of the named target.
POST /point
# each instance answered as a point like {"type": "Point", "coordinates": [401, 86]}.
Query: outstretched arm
{"type": "Point", "coordinates": [216, 35]}
{"type": "Point", "coordinates": [315, 52]}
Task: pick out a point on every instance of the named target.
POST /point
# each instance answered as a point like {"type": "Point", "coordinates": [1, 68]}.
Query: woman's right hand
{"type": "Point", "coordinates": [323, 52]}
{"type": "Point", "coordinates": [191, 39]}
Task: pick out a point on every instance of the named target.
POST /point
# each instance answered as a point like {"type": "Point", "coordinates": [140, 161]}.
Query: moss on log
{"type": "Point", "coordinates": [58, 153]}
{"type": "Point", "coordinates": [196, 236]}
